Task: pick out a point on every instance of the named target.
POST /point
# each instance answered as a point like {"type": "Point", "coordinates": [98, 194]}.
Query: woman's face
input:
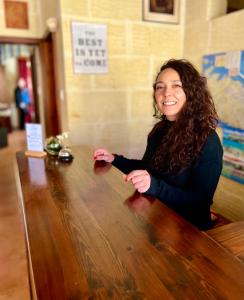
{"type": "Point", "coordinates": [169, 94]}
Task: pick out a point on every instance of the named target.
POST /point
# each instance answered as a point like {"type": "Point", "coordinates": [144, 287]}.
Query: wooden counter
{"type": "Point", "coordinates": [91, 237]}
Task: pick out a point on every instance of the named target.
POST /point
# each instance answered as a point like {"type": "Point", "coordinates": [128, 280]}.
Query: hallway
{"type": "Point", "coordinates": [14, 283]}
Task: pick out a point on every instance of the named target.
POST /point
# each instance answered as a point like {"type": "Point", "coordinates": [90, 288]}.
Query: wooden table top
{"type": "Point", "coordinates": [91, 237]}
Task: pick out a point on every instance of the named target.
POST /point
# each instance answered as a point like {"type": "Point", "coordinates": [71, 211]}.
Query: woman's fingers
{"type": "Point", "coordinates": [140, 179]}
{"type": "Point", "coordinates": [99, 156]}
{"type": "Point", "coordinates": [99, 152]}
{"type": "Point", "coordinates": [141, 187]}
{"type": "Point", "coordinates": [134, 174]}
{"type": "Point", "coordinates": [103, 154]}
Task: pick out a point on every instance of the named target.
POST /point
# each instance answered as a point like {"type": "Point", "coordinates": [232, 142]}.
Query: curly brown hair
{"type": "Point", "coordinates": [185, 139]}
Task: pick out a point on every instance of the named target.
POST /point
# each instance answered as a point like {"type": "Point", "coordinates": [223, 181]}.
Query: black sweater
{"type": "Point", "coordinates": [190, 192]}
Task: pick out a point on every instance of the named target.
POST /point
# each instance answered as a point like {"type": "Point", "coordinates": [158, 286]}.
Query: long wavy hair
{"type": "Point", "coordinates": [184, 140]}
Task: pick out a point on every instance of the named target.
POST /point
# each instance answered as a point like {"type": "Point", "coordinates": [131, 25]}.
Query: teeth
{"type": "Point", "coordinates": [169, 102]}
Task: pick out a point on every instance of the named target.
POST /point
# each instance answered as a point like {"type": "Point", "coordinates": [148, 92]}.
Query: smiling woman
{"type": "Point", "coordinates": [183, 160]}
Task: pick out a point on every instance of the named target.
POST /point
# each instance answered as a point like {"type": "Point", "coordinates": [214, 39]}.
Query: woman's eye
{"type": "Point", "coordinates": [177, 86]}
{"type": "Point", "coordinates": [158, 87]}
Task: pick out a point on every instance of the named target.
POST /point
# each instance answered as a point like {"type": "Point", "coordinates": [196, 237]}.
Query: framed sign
{"type": "Point", "coordinates": [89, 48]}
{"type": "Point", "coordinates": [165, 11]}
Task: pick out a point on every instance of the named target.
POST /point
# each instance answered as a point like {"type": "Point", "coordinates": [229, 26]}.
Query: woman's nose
{"type": "Point", "coordinates": [167, 91]}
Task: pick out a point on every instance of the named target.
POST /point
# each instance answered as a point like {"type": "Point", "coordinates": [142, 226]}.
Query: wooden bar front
{"type": "Point", "coordinates": [89, 236]}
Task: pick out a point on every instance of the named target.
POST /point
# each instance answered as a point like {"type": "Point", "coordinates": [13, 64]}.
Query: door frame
{"type": "Point", "coordinates": [49, 84]}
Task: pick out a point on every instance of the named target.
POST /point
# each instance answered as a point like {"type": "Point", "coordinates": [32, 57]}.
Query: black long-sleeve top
{"type": "Point", "coordinates": [189, 192]}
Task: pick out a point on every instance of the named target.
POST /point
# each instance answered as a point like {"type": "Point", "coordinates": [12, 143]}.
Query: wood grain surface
{"type": "Point", "coordinates": [230, 236]}
{"type": "Point", "coordinates": [91, 236]}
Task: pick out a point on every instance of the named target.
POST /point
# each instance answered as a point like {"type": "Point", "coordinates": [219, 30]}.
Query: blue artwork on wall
{"type": "Point", "coordinates": [225, 74]}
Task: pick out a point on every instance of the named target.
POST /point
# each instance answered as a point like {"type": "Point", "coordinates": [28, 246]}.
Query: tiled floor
{"type": "Point", "coordinates": [14, 282]}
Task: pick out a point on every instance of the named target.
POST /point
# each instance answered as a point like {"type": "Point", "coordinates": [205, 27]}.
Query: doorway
{"type": "Point", "coordinates": [15, 64]}
{"type": "Point", "coordinates": [41, 81]}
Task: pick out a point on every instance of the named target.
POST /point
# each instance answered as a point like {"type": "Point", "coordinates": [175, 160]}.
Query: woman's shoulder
{"type": "Point", "coordinates": [213, 139]}
{"type": "Point", "coordinates": [213, 146]}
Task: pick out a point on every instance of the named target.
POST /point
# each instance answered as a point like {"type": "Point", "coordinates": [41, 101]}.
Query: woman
{"type": "Point", "coordinates": [183, 159]}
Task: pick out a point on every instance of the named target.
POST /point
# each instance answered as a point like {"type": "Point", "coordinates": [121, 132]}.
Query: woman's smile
{"type": "Point", "coordinates": [169, 102]}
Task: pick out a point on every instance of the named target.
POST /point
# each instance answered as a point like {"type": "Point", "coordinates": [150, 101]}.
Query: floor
{"type": "Point", "coordinates": [14, 282]}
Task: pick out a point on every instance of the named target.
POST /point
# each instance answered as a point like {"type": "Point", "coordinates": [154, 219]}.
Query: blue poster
{"type": "Point", "coordinates": [225, 75]}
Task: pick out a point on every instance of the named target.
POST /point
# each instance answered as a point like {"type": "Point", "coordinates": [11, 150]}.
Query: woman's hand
{"type": "Point", "coordinates": [103, 154]}
{"type": "Point", "coordinates": [141, 180]}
